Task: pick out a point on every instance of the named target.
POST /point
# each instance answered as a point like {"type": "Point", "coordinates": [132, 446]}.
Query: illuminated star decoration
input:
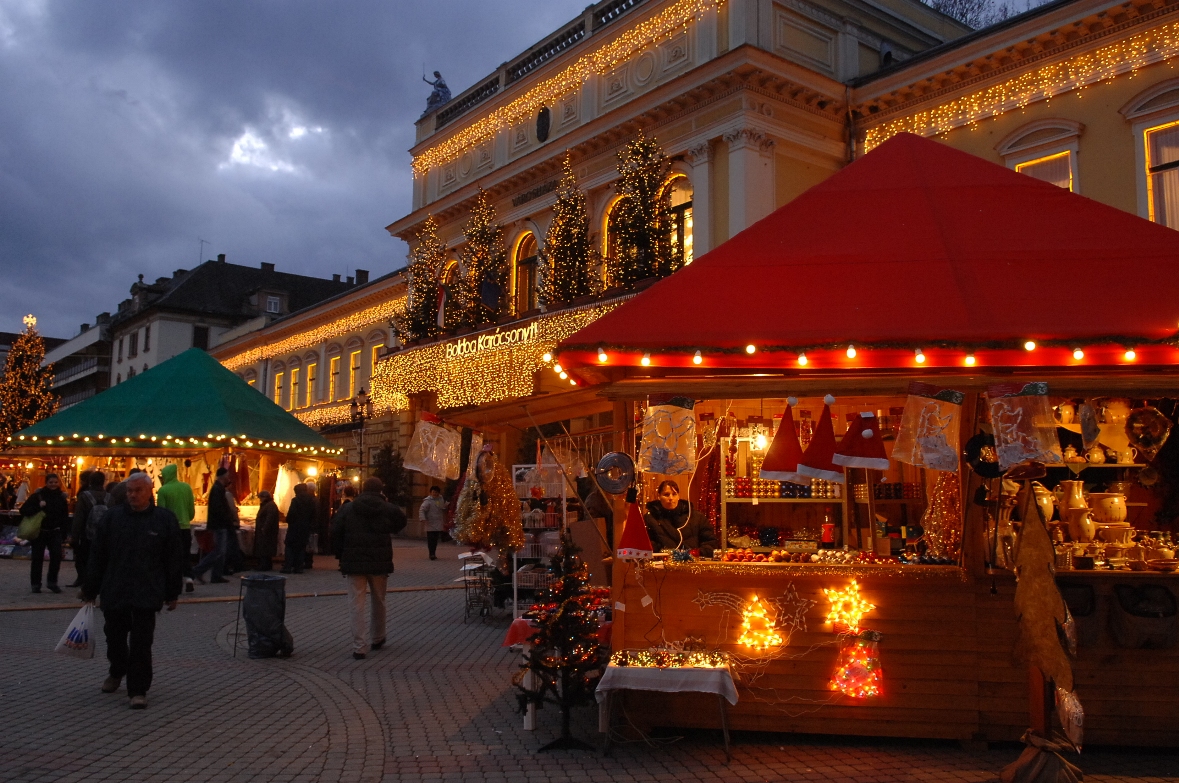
{"type": "Point", "coordinates": [757, 630]}
{"type": "Point", "coordinates": [847, 607]}
{"type": "Point", "coordinates": [730, 601]}
{"type": "Point", "coordinates": [790, 610]}
{"type": "Point", "coordinates": [30, 320]}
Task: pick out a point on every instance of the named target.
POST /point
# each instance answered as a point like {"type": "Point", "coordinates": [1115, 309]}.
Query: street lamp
{"type": "Point", "coordinates": [362, 412]}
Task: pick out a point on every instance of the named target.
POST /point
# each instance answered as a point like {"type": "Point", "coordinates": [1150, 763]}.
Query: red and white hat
{"type": "Point", "coordinates": [862, 446]}
{"type": "Point", "coordinates": [816, 462]}
{"type": "Point", "coordinates": [781, 462]}
{"type": "Point", "coordinates": [635, 544]}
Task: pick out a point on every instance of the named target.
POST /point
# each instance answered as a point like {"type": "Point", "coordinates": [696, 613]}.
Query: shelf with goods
{"type": "Point", "coordinates": [544, 487]}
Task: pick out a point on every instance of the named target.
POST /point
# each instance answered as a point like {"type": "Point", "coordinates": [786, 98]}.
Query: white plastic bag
{"type": "Point", "coordinates": [78, 641]}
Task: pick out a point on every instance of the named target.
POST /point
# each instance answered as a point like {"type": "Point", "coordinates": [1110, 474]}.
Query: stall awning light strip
{"type": "Point", "coordinates": [503, 372]}
{"type": "Point", "coordinates": [381, 313]}
{"type": "Point", "coordinates": [596, 63]}
{"type": "Point", "coordinates": [1074, 73]}
{"type": "Point", "coordinates": [210, 441]}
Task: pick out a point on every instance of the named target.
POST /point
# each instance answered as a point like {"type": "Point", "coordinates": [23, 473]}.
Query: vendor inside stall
{"type": "Point", "coordinates": [673, 523]}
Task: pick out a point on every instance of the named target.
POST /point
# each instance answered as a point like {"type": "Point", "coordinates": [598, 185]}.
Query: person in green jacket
{"type": "Point", "coordinates": [176, 496]}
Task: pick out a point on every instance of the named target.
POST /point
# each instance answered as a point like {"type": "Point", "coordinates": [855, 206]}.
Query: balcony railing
{"type": "Point", "coordinates": [85, 368]}
{"type": "Point", "coordinates": [546, 51]}
{"type": "Point", "coordinates": [460, 105]}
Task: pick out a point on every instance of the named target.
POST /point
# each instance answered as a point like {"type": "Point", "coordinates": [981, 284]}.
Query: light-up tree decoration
{"type": "Point", "coordinates": [757, 629]}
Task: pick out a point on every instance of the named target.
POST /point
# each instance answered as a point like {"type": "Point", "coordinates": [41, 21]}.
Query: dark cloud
{"type": "Point", "coordinates": [276, 130]}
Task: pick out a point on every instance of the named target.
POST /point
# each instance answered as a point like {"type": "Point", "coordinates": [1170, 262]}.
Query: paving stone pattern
{"type": "Point", "coordinates": [435, 704]}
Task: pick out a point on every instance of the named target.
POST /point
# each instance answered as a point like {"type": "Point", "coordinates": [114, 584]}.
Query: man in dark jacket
{"type": "Point", "coordinates": [135, 567]}
{"type": "Point", "coordinates": [222, 523]}
{"type": "Point", "coordinates": [300, 518]}
{"type": "Point", "coordinates": [91, 495]}
{"type": "Point", "coordinates": [266, 531]}
{"type": "Point", "coordinates": [361, 540]}
{"type": "Point", "coordinates": [54, 526]}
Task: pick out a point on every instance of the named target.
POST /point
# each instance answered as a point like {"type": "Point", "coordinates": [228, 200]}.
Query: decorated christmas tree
{"type": "Point", "coordinates": [641, 221]}
{"type": "Point", "coordinates": [566, 657]}
{"type": "Point", "coordinates": [426, 260]}
{"type": "Point", "coordinates": [25, 396]}
{"type": "Point", "coordinates": [567, 258]}
{"type": "Point", "coordinates": [484, 264]}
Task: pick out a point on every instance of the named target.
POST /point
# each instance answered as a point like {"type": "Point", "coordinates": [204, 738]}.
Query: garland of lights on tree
{"type": "Point", "coordinates": [483, 265]}
{"type": "Point", "coordinates": [25, 396]}
{"type": "Point", "coordinates": [426, 260]}
{"type": "Point", "coordinates": [641, 221]}
{"type": "Point", "coordinates": [567, 256]}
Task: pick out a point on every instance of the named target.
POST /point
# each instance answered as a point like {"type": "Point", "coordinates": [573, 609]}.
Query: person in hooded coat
{"type": "Point", "coordinates": [177, 497]}
{"type": "Point", "coordinates": [361, 539]}
{"type": "Point", "coordinates": [266, 531]}
{"type": "Point", "coordinates": [54, 526]}
{"type": "Point", "coordinates": [300, 518]}
{"type": "Point", "coordinates": [677, 524]}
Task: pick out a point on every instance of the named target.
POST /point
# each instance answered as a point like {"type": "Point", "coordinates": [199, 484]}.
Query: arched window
{"type": "Point", "coordinates": [681, 215]}
{"type": "Point", "coordinates": [524, 296]}
{"type": "Point", "coordinates": [450, 273]}
{"type": "Point", "coordinates": [610, 239]}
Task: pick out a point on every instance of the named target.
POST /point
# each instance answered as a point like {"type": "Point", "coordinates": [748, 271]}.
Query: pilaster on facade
{"type": "Point", "coordinates": [751, 177]}
{"type": "Point", "coordinates": [699, 158]}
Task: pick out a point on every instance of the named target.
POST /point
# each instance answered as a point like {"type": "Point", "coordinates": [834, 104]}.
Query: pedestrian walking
{"type": "Point", "coordinates": [220, 525]}
{"type": "Point", "coordinates": [361, 539]}
{"type": "Point", "coordinates": [54, 526]}
{"type": "Point", "coordinates": [135, 569]}
{"type": "Point", "coordinates": [92, 501]}
{"type": "Point", "coordinates": [177, 497]}
{"type": "Point", "coordinates": [300, 518]}
{"type": "Point", "coordinates": [432, 513]}
{"type": "Point", "coordinates": [266, 531]}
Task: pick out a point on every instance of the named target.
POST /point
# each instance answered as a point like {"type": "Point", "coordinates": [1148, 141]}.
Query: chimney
{"type": "Point", "coordinates": [361, 276]}
{"type": "Point", "coordinates": [220, 258]}
{"type": "Point", "coordinates": [349, 279]}
{"type": "Point", "coordinates": [335, 278]}
{"type": "Point", "coordinates": [265, 266]}
{"type": "Point", "coordinates": [179, 272]}
{"type": "Point", "coordinates": [85, 328]}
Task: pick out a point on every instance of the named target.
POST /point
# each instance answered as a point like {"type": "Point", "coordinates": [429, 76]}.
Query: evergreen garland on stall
{"type": "Point", "coordinates": [25, 396]}
{"type": "Point", "coordinates": [641, 221]}
{"type": "Point", "coordinates": [484, 264]}
{"type": "Point", "coordinates": [567, 257]}
{"type": "Point", "coordinates": [566, 658]}
{"type": "Point", "coordinates": [426, 260]}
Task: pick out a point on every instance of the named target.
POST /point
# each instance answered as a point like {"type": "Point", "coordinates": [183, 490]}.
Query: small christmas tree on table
{"type": "Point", "coordinates": [25, 396]}
{"type": "Point", "coordinates": [566, 657]}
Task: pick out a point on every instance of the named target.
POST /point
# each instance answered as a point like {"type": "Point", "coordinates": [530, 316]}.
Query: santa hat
{"type": "Point", "coordinates": [816, 461]}
{"type": "Point", "coordinates": [862, 446]}
{"type": "Point", "coordinates": [781, 462]}
{"type": "Point", "coordinates": [635, 543]}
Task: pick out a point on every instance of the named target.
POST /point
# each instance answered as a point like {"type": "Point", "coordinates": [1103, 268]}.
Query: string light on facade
{"type": "Point", "coordinates": [599, 62]}
{"type": "Point", "coordinates": [848, 607]}
{"type": "Point", "coordinates": [1074, 73]}
{"type": "Point", "coordinates": [757, 630]}
{"type": "Point", "coordinates": [546, 358]}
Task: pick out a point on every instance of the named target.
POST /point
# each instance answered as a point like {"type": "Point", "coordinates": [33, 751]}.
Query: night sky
{"type": "Point", "coordinates": [276, 131]}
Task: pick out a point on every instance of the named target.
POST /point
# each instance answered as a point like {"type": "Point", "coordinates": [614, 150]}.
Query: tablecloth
{"type": "Point", "coordinates": [671, 680]}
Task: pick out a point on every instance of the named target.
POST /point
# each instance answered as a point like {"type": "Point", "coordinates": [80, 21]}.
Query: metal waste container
{"type": "Point", "coordinates": [264, 607]}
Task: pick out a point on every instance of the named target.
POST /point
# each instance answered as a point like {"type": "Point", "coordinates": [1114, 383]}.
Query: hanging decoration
{"type": "Point", "coordinates": [817, 460]}
{"type": "Point", "coordinates": [488, 514]}
{"type": "Point", "coordinates": [434, 449]}
{"type": "Point", "coordinates": [789, 609]}
{"type": "Point", "coordinates": [930, 424]}
{"type": "Point", "coordinates": [858, 673]}
{"type": "Point", "coordinates": [1147, 430]}
{"type": "Point", "coordinates": [942, 520]}
{"type": "Point", "coordinates": [635, 543]}
{"type": "Point", "coordinates": [668, 446]}
{"type": "Point", "coordinates": [757, 629]}
{"type": "Point", "coordinates": [862, 446]}
{"type": "Point", "coordinates": [1025, 428]}
{"type": "Point", "coordinates": [848, 607]}
{"type": "Point", "coordinates": [781, 462]}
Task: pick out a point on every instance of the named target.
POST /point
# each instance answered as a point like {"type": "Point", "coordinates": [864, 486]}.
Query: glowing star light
{"type": "Point", "coordinates": [847, 607]}
{"type": "Point", "coordinates": [757, 630]}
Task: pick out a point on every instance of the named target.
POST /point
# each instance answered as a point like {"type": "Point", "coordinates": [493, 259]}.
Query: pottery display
{"type": "Point", "coordinates": [1066, 413]}
{"type": "Point", "coordinates": [1044, 499]}
{"type": "Point", "coordinates": [1109, 508]}
{"type": "Point", "coordinates": [1165, 565]}
{"type": "Point", "coordinates": [1126, 456]}
{"type": "Point", "coordinates": [1116, 534]}
{"type": "Point", "coordinates": [1070, 454]}
{"type": "Point", "coordinates": [1095, 456]}
{"type": "Point", "coordinates": [1086, 527]}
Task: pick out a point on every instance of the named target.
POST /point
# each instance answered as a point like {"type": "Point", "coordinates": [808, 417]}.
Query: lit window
{"type": "Point", "coordinates": [278, 388]}
{"type": "Point", "coordinates": [273, 304]}
{"type": "Point", "coordinates": [1162, 173]}
{"type": "Point", "coordinates": [353, 372]}
{"type": "Point", "coordinates": [333, 378]}
{"type": "Point", "coordinates": [1055, 169]}
{"type": "Point", "coordinates": [293, 402]}
{"type": "Point", "coordinates": [311, 379]}
{"type": "Point", "coordinates": [376, 357]}
{"type": "Point", "coordinates": [681, 218]}
{"type": "Point", "coordinates": [252, 381]}
{"type": "Point", "coordinates": [525, 296]}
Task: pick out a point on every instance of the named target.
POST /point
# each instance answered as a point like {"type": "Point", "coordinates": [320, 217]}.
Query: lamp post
{"type": "Point", "coordinates": [362, 412]}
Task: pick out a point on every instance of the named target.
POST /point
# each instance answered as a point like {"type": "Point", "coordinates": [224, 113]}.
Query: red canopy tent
{"type": "Point", "coordinates": [914, 247]}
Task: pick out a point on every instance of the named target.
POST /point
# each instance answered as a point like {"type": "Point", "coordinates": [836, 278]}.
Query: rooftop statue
{"type": "Point", "coordinates": [440, 95]}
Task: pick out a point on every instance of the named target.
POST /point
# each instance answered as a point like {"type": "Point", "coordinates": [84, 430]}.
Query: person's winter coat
{"type": "Point", "coordinates": [57, 509]}
{"type": "Point", "coordinates": [664, 525]}
{"type": "Point", "coordinates": [222, 515]}
{"type": "Point", "coordinates": [361, 534]}
{"type": "Point", "coordinates": [266, 530]}
{"type": "Point", "coordinates": [176, 496]}
{"type": "Point", "coordinates": [87, 499]}
{"type": "Point", "coordinates": [136, 560]}
{"type": "Point", "coordinates": [301, 515]}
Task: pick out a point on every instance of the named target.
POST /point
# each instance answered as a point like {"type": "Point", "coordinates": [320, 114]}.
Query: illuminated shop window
{"type": "Point", "coordinates": [1162, 173]}
{"type": "Point", "coordinates": [1056, 169]}
{"type": "Point", "coordinates": [524, 275]}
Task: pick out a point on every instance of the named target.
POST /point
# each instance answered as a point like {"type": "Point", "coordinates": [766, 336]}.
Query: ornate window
{"type": "Point", "coordinates": [293, 402]}
{"type": "Point", "coordinates": [278, 381]}
{"type": "Point", "coordinates": [1154, 118]}
{"type": "Point", "coordinates": [1046, 150]}
{"type": "Point", "coordinates": [609, 238]}
{"type": "Point", "coordinates": [524, 277]}
{"type": "Point", "coordinates": [333, 378]}
{"type": "Point", "coordinates": [681, 215]}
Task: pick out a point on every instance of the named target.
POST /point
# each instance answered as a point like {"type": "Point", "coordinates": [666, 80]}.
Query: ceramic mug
{"type": "Point", "coordinates": [1127, 455]}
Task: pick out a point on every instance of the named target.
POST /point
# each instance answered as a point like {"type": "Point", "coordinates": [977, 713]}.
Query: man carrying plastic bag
{"type": "Point", "coordinates": [136, 568]}
{"type": "Point", "coordinates": [78, 640]}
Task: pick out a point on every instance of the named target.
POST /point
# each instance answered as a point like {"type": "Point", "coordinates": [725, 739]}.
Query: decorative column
{"type": "Point", "coordinates": [751, 178]}
{"type": "Point", "coordinates": [700, 159]}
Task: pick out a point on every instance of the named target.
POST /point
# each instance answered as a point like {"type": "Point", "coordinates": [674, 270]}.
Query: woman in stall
{"type": "Point", "coordinates": [677, 524]}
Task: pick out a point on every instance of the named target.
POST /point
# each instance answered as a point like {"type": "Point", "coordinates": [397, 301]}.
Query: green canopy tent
{"type": "Point", "coordinates": [185, 405]}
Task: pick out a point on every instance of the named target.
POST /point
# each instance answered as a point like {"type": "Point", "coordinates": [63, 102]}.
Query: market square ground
{"type": "Point", "coordinates": [435, 704]}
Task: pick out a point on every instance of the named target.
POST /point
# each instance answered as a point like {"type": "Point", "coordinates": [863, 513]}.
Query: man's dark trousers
{"type": "Point", "coordinates": [131, 660]}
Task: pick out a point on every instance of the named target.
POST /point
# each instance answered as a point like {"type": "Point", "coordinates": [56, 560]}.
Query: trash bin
{"type": "Point", "coordinates": [264, 608]}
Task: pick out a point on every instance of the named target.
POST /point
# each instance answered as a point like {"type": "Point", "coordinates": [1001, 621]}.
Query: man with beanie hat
{"type": "Point", "coordinates": [361, 540]}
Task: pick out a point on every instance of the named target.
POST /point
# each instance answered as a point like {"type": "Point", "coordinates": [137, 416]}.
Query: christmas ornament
{"type": "Point", "coordinates": [1147, 429]}
{"type": "Point", "coordinates": [942, 520]}
{"type": "Point", "coordinates": [668, 446]}
{"type": "Point", "coordinates": [858, 672]}
{"type": "Point", "coordinates": [928, 436]}
{"type": "Point", "coordinates": [488, 514]}
{"type": "Point", "coordinates": [1024, 425]}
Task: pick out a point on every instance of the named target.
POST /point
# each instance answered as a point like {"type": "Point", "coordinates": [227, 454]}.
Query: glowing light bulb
{"type": "Point", "coordinates": [697, 358]}
{"type": "Point", "coordinates": [572, 382]}
{"type": "Point", "coordinates": [751, 349]}
{"type": "Point", "coordinates": [646, 360]}
{"type": "Point", "coordinates": [919, 356]}
{"type": "Point", "coordinates": [802, 360]}
{"type": "Point", "coordinates": [1131, 354]}
{"type": "Point", "coordinates": [564, 375]}
{"type": "Point", "coordinates": [602, 357]}
{"type": "Point", "coordinates": [557, 368]}
{"type": "Point", "coordinates": [851, 352]}
{"type": "Point", "coordinates": [1030, 345]}
{"type": "Point", "coordinates": [970, 360]}
{"type": "Point", "coordinates": [312, 471]}
{"type": "Point", "coordinates": [548, 357]}
{"type": "Point", "coordinates": [1078, 354]}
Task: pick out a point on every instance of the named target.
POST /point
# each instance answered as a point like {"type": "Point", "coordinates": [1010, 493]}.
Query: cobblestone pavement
{"type": "Point", "coordinates": [435, 704]}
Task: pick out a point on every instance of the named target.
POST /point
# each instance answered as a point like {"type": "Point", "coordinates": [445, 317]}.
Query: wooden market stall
{"type": "Point", "coordinates": [959, 330]}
